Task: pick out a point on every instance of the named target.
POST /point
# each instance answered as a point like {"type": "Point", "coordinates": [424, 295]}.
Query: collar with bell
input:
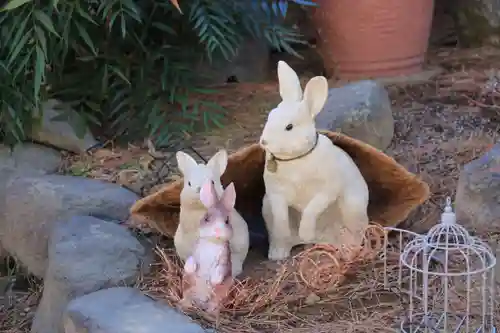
{"type": "Point", "coordinates": [272, 164]}
{"type": "Point", "coordinates": [214, 240]}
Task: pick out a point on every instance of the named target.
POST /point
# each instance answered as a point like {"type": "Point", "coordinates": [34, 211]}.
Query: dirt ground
{"type": "Point", "coordinates": [440, 125]}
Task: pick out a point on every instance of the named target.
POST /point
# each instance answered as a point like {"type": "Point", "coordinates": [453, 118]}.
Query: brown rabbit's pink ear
{"type": "Point", "coordinates": [208, 196]}
{"type": "Point", "coordinates": [228, 198]}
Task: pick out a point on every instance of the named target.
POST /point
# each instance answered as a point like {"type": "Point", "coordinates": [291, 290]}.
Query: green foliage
{"type": "Point", "coordinates": [124, 65]}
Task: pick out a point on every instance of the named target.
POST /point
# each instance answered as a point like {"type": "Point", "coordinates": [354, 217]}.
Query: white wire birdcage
{"type": "Point", "coordinates": [449, 278]}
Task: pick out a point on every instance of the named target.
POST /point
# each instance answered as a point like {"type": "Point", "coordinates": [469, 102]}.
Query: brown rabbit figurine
{"type": "Point", "coordinates": [207, 275]}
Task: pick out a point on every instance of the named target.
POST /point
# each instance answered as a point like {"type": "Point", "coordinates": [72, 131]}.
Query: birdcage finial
{"type": "Point", "coordinates": [448, 217]}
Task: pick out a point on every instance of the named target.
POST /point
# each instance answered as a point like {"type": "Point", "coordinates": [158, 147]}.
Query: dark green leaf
{"type": "Point", "coordinates": [91, 118]}
{"type": "Point", "coordinates": [119, 73]}
{"type": "Point", "coordinates": [105, 80]}
{"type": "Point", "coordinates": [39, 70]}
{"type": "Point", "coordinates": [205, 121]}
{"type": "Point", "coordinates": [165, 28]}
{"type": "Point", "coordinates": [22, 67]}
{"type": "Point", "coordinates": [45, 21]}
{"type": "Point", "coordinates": [42, 40]}
{"type": "Point", "coordinates": [12, 4]}
{"type": "Point", "coordinates": [86, 38]}
{"type": "Point", "coordinates": [84, 14]}
{"type": "Point", "coordinates": [18, 132]}
{"type": "Point", "coordinates": [3, 67]}
{"type": "Point", "coordinates": [20, 45]}
{"type": "Point", "coordinates": [213, 106]}
{"type": "Point", "coordinates": [112, 20]}
{"type": "Point", "coordinates": [123, 26]}
{"type": "Point", "coordinates": [215, 118]}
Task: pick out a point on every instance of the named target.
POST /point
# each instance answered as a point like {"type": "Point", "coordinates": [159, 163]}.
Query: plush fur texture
{"type": "Point", "coordinates": [192, 209]}
{"type": "Point", "coordinates": [394, 192]}
{"type": "Point", "coordinates": [306, 202]}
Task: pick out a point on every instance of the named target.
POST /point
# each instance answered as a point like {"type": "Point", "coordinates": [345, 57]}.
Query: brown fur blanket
{"type": "Point", "coordinates": [394, 191]}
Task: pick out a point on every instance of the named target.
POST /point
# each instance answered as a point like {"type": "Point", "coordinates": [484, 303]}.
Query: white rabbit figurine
{"type": "Point", "coordinates": [192, 209]}
{"type": "Point", "coordinates": [207, 277]}
{"type": "Point", "coordinates": [314, 191]}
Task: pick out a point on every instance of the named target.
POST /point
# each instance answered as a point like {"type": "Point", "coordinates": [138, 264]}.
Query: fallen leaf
{"type": "Point", "coordinates": [104, 153]}
{"type": "Point", "coordinates": [153, 152]}
{"type": "Point", "coordinates": [79, 169]}
{"type": "Point", "coordinates": [312, 299]}
{"type": "Point", "coordinates": [146, 161]}
{"type": "Point", "coordinates": [126, 177]}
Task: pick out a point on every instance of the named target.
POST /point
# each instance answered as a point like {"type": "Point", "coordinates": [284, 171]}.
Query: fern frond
{"type": "Point", "coordinates": [125, 65]}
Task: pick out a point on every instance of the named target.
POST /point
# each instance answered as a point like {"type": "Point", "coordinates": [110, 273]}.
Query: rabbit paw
{"type": "Point", "coordinates": [213, 307]}
{"type": "Point", "coordinates": [236, 268]}
{"type": "Point", "coordinates": [185, 303]}
{"type": "Point", "coordinates": [190, 265]}
{"type": "Point", "coordinates": [278, 253]}
{"type": "Point", "coordinates": [307, 233]}
{"type": "Point", "coordinates": [217, 276]}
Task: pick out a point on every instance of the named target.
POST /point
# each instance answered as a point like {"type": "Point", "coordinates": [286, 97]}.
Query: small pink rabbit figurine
{"type": "Point", "coordinates": [207, 272]}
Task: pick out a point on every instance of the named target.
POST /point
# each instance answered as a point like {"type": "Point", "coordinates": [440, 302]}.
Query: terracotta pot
{"type": "Point", "coordinates": [373, 38]}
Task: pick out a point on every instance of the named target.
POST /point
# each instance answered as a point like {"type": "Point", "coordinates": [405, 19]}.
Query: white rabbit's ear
{"type": "Point", "coordinates": [290, 89]}
{"type": "Point", "coordinates": [228, 198]}
{"type": "Point", "coordinates": [208, 196]}
{"type": "Point", "coordinates": [218, 162]}
{"type": "Point", "coordinates": [315, 94]}
{"type": "Point", "coordinates": [185, 162]}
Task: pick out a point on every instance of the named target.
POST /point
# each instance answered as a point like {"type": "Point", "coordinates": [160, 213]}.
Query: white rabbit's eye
{"type": "Point", "coordinates": [213, 182]}
{"type": "Point", "coordinates": [227, 220]}
{"type": "Point", "coordinates": [189, 184]}
{"type": "Point", "coordinates": [289, 127]}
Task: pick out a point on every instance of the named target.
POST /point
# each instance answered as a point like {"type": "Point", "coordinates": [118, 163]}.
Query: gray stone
{"type": "Point", "coordinates": [478, 192]}
{"type": "Point", "coordinates": [86, 254]}
{"type": "Point", "coordinates": [124, 310]}
{"type": "Point", "coordinates": [63, 133]}
{"type": "Point", "coordinates": [478, 22]}
{"type": "Point", "coordinates": [33, 204]}
{"type": "Point", "coordinates": [361, 110]}
{"type": "Point", "coordinates": [29, 158]}
{"type": "Point", "coordinates": [24, 159]}
{"type": "Point", "coordinates": [251, 64]}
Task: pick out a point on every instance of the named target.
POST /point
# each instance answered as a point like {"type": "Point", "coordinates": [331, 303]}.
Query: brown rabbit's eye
{"type": "Point", "coordinates": [289, 127]}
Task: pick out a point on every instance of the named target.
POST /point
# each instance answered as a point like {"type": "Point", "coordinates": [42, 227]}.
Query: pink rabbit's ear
{"type": "Point", "coordinates": [228, 198]}
{"type": "Point", "coordinates": [208, 196]}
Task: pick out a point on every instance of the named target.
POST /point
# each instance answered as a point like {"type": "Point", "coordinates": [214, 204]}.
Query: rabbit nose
{"type": "Point", "coordinates": [263, 142]}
